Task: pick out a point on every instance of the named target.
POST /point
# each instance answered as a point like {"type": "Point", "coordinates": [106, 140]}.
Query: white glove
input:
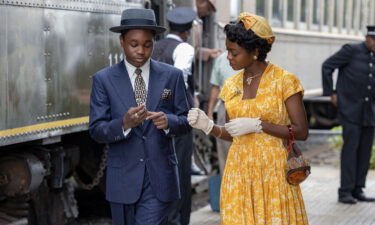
{"type": "Point", "coordinates": [199, 120]}
{"type": "Point", "coordinates": [241, 126]}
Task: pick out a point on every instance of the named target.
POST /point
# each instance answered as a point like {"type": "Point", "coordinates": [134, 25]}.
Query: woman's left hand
{"type": "Point", "coordinates": [241, 126]}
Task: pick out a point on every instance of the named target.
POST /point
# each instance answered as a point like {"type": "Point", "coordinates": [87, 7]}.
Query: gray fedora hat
{"type": "Point", "coordinates": [138, 19]}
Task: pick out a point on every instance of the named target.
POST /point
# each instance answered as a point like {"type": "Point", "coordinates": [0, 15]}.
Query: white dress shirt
{"type": "Point", "coordinates": [132, 75]}
{"type": "Point", "coordinates": [183, 56]}
{"type": "Point", "coordinates": [145, 72]}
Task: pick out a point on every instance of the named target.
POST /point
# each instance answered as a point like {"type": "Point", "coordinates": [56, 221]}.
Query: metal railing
{"type": "Point", "coordinates": [346, 17]}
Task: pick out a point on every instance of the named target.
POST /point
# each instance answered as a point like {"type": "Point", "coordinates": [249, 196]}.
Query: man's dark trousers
{"type": "Point", "coordinates": [181, 209]}
{"type": "Point", "coordinates": [355, 157]}
{"type": "Point", "coordinates": [139, 212]}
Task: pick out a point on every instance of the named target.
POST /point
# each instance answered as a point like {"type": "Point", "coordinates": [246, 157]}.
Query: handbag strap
{"type": "Point", "coordinates": [292, 139]}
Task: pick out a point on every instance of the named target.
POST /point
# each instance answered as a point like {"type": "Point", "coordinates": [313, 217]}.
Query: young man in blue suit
{"type": "Point", "coordinates": [137, 107]}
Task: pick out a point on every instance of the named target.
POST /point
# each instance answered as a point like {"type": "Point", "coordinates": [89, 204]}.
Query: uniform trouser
{"type": "Point", "coordinates": [355, 157]}
{"type": "Point", "coordinates": [180, 212]}
{"type": "Point", "coordinates": [221, 145]}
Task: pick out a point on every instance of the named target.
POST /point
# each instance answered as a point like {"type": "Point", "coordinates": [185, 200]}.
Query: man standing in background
{"type": "Point", "coordinates": [220, 72]}
{"type": "Point", "coordinates": [175, 51]}
{"type": "Point", "coordinates": [355, 98]}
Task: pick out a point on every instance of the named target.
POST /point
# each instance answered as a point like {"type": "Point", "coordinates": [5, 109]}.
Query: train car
{"type": "Point", "coordinates": [49, 49]}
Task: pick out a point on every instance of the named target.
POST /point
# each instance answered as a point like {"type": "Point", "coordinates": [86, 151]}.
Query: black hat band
{"type": "Point", "coordinates": [137, 22]}
{"type": "Point", "coordinates": [180, 27]}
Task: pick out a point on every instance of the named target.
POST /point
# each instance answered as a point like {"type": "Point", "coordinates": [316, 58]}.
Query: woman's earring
{"type": "Point", "coordinates": [255, 57]}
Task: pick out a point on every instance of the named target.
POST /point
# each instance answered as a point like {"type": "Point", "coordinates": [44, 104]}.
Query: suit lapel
{"type": "Point", "coordinates": [156, 86]}
{"type": "Point", "coordinates": [122, 85]}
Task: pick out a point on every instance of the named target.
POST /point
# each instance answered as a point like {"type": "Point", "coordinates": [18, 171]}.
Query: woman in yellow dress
{"type": "Point", "coordinates": [260, 102]}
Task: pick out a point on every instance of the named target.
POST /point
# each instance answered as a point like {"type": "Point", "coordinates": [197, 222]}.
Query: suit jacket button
{"type": "Point", "coordinates": [366, 99]}
{"type": "Point", "coordinates": [144, 138]}
{"type": "Point", "coordinates": [141, 160]}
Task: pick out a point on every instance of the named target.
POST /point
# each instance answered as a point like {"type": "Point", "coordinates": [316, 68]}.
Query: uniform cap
{"type": "Point", "coordinates": [181, 19]}
{"type": "Point", "coordinates": [371, 30]}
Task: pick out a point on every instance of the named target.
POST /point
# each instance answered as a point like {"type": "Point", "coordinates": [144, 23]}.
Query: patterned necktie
{"type": "Point", "coordinates": [140, 88]}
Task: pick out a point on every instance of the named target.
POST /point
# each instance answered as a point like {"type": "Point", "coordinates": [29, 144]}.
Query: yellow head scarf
{"type": "Point", "coordinates": [258, 25]}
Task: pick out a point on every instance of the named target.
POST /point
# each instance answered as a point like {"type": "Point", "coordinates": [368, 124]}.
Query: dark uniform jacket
{"type": "Point", "coordinates": [163, 52]}
{"type": "Point", "coordinates": [355, 83]}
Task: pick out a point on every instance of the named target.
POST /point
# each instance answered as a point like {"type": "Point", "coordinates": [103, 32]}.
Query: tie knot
{"type": "Point", "coordinates": [138, 71]}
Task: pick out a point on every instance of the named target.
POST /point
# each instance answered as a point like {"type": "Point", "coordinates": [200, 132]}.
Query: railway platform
{"type": "Point", "coordinates": [320, 195]}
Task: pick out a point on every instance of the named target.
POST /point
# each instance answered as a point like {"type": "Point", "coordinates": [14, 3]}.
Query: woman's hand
{"type": "Point", "coordinates": [199, 120]}
{"type": "Point", "coordinates": [241, 126]}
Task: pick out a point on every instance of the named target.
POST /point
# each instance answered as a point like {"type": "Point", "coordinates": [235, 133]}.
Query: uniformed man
{"type": "Point", "coordinates": [355, 98]}
{"type": "Point", "coordinates": [175, 51]}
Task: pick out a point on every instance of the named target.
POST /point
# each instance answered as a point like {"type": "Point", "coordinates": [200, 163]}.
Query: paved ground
{"type": "Point", "coordinates": [320, 194]}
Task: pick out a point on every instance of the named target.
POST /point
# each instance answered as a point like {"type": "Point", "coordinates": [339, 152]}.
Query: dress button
{"type": "Point", "coordinates": [366, 99]}
{"type": "Point", "coordinates": [141, 160]}
{"type": "Point", "coordinates": [369, 87]}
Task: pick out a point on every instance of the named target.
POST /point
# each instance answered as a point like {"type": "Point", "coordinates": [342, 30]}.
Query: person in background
{"type": "Point", "coordinates": [174, 50]}
{"type": "Point", "coordinates": [137, 107]}
{"type": "Point", "coordinates": [263, 102]}
{"type": "Point", "coordinates": [204, 9]}
{"type": "Point", "coordinates": [220, 72]}
{"type": "Point", "coordinates": [355, 98]}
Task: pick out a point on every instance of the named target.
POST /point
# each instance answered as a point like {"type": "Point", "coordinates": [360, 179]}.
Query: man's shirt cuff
{"type": "Point", "coordinates": [126, 132]}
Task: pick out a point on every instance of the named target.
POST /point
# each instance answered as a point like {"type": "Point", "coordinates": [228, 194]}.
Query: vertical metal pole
{"type": "Point", "coordinates": [349, 16]}
{"type": "Point", "coordinates": [365, 9]}
{"type": "Point", "coordinates": [268, 10]}
{"type": "Point", "coordinates": [339, 15]}
{"type": "Point", "coordinates": [356, 16]}
{"type": "Point", "coordinates": [321, 8]}
{"type": "Point", "coordinates": [331, 14]}
{"type": "Point", "coordinates": [372, 13]}
{"type": "Point", "coordinates": [296, 13]}
{"type": "Point", "coordinates": [284, 12]}
{"type": "Point", "coordinates": [309, 13]}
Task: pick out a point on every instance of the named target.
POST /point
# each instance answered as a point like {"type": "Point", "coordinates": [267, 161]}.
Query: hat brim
{"type": "Point", "coordinates": [157, 29]}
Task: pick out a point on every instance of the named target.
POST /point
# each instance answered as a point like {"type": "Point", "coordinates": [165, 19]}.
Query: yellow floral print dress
{"type": "Point", "coordinates": [254, 189]}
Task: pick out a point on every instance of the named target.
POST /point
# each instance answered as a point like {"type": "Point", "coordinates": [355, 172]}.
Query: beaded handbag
{"type": "Point", "coordinates": [297, 167]}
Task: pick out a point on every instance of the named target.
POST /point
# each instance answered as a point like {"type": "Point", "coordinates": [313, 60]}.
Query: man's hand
{"type": "Point", "coordinates": [334, 99]}
{"type": "Point", "coordinates": [159, 119]}
{"type": "Point", "coordinates": [134, 117]}
{"type": "Point", "coordinates": [215, 53]}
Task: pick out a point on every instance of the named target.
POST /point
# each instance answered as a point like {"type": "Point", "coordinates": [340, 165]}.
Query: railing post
{"type": "Point", "coordinates": [348, 16]}
{"type": "Point", "coordinates": [321, 8]}
{"type": "Point", "coordinates": [309, 13]}
{"type": "Point", "coordinates": [339, 16]}
{"type": "Point", "coordinates": [331, 14]}
{"type": "Point", "coordinates": [365, 19]}
{"type": "Point", "coordinates": [296, 13]}
{"type": "Point", "coordinates": [284, 12]}
{"type": "Point", "coordinates": [268, 10]}
{"type": "Point", "coordinates": [372, 13]}
{"type": "Point", "coordinates": [356, 16]}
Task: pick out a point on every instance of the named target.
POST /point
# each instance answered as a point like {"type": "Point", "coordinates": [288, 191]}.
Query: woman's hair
{"type": "Point", "coordinates": [237, 33]}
